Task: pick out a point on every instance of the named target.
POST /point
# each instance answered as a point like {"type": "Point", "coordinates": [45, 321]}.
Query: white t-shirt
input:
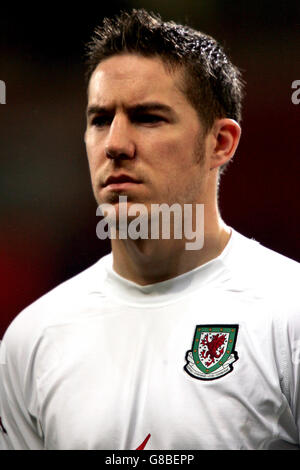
{"type": "Point", "coordinates": [206, 360]}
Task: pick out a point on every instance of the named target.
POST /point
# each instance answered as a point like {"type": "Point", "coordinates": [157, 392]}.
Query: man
{"type": "Point", "coordinates": [157, 346]}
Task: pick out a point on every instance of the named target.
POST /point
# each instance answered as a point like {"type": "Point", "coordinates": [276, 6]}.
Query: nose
{"type": "Point", "coordinates": [119, 142]}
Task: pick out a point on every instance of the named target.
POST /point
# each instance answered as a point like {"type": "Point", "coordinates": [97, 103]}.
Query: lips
{"type": "Point", "coordinates": [120, 179]}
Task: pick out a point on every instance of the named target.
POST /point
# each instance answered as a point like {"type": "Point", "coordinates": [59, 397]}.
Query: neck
{"type": "Point", "coordinates": [150, 261]}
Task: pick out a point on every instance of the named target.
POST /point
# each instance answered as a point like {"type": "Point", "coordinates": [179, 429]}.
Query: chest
{"type": "Point", "coordinates": [191, 377]}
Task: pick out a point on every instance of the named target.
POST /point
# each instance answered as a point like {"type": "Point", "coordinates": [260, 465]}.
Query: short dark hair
{"type": "Point", "coordinates": [213, 84]}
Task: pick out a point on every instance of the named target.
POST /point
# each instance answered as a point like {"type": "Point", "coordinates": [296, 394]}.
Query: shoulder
{"type": "Point", "coordinates": [262, 267]}
{"type": "Point", "coordinates": [269, 283]}
{"type": "Point", "coordinates": [66, 302]}
{"type": "Point", "coordinates": [266, 279]}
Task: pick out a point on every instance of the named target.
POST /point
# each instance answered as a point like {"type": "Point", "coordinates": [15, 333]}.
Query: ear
{"type": "Point", "coordinates": [225, 135]}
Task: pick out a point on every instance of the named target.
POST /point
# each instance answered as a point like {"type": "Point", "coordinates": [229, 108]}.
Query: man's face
{"type": "Point", "coordinates": [141, 125]}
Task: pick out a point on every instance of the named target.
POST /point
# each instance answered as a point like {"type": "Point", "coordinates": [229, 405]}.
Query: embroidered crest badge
{"type": "Point", "coordinates": [213, 351]}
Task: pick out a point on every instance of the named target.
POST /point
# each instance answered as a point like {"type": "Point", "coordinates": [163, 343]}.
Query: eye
{"type": "Point", "coordinates": [100, 121]}
{"type": "Point", "coordinates": [148, 118]}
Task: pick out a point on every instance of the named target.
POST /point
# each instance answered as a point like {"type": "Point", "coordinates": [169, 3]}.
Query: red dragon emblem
{"type": "Point", "coordinates": [211, 351]}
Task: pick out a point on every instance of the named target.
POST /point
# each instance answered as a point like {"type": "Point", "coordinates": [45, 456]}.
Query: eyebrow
{"type": "Point", "coordinates": [139, 108]}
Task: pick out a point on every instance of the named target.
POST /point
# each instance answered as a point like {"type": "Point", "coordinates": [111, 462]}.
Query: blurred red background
{"type": "Point", "coordinates": [47, 211]}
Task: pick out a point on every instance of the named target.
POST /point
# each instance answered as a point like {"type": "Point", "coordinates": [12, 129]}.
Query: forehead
{"type": "Point", "coordinates": [132, 79]}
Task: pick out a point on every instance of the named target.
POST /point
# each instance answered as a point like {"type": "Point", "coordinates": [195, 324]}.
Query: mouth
{"type": "Point", "coordinates": [119, 182]}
